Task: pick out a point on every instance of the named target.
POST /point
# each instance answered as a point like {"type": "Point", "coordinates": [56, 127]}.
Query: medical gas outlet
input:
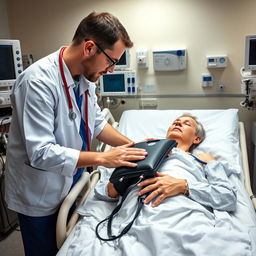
{"type": "Point", "coordinates": [169, 60]}
{"type": "Point", "coordinates": [142, 58]}
{"type": "Point", "coordinates": [217, 61]}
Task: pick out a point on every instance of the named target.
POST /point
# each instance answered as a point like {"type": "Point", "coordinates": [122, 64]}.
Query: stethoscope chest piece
{"type": "Point", "coordinates": [72, 115]}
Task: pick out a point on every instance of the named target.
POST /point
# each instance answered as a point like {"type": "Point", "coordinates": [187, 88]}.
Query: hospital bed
{"type": "Point", "coordinates": [225, 140]}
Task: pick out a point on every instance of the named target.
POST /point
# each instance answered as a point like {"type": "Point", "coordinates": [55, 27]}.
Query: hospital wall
{"type": "Point", "coordinates": [203, 27]}
{"type": "Point", "coordinates": [4, 24]}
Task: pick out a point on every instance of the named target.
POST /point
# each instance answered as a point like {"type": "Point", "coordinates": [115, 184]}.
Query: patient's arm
{"type": "Point", "coordinates": [104, 190]}
{"type": "Point", "coordinates": [112, 191]}
{"type": "Point", "coordinates": [216, 192]}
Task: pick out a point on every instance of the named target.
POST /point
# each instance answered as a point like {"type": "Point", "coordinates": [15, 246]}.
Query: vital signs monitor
{"type": "Point", "coordinates": [124, 61]}
{"type": "Point", "coordinates": [250, 53]}
{"type": "Point", "coordinates": [118, 83]}
{"type": "Point", "coordinates": [10, 62]}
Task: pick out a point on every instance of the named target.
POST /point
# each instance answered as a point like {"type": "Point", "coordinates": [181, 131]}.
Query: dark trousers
{"type": "Point", "coordinates": [39, 234]}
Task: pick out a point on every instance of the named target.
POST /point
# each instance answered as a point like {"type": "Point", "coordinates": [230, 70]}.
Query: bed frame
{"type": "Point", "coordinates": [88, 181]}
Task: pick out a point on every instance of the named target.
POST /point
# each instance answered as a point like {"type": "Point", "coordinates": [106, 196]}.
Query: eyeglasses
{"type": "Point", "coordinates": [110, 60]}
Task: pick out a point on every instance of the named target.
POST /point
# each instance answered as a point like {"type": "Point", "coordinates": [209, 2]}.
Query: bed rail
{"type": "Point", "coordinates": [82, 188]}
{"type": "Point", "coordinates": [245, 164]}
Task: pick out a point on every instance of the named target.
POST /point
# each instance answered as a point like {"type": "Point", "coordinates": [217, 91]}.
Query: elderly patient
{"type": "Point", "coordinates": [188, 133]}
{"type": "Point", "coordinates": [188, 210]}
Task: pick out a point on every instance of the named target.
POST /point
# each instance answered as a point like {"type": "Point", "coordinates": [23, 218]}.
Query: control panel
{"type": "Point", "coordinates": [131, 85]}
{"type": "Point", "coordinates": [217, 61]}
{"type": "Point", "coordinates": [18, 59]}
{"type": "Point", "coordinates": [207, 80]}
{"type": "Point", "coordinates": [169, 60]}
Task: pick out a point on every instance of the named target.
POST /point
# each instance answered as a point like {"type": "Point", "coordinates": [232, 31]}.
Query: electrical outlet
{"type": "Point", "coordinates": [142, 58]}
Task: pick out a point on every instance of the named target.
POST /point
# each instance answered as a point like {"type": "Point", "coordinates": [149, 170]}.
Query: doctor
{"type": "Point", "coordinates": [55, 117]}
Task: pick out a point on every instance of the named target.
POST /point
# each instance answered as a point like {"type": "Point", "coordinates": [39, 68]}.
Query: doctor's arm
{"type": "Point", "coordinates": [112, 137]}
{"type": "Point", "coordinates": [118, 156]}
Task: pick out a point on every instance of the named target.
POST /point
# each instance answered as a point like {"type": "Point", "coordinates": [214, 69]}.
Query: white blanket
{"type": "Point", "coordinates": [195, 225]}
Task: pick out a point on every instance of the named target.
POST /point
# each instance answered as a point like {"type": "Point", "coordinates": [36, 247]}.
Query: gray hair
{"type": "Point", "coordinates": [200, 131]}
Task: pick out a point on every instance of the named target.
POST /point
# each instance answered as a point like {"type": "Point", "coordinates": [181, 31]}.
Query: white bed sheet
{"type": "Point", "coordinates": [221, 141]}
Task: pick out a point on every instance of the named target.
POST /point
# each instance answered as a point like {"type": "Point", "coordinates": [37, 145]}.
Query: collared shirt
{"type": "Point", "coordinates": [44, 144]}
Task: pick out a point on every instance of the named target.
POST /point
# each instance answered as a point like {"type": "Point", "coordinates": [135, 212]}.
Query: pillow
{"type": "Point", "coordinates": [221, 126]}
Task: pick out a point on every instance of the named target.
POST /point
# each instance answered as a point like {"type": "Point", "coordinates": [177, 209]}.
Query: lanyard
{"type": "Point", "coordinates": [72, 114]}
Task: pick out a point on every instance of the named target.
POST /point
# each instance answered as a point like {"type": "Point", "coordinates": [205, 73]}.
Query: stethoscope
{"type": "Point", "coordinates": [72, 115]}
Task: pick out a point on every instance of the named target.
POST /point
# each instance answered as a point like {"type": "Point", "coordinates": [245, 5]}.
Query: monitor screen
{"type": "Point", "coordinates": [7, 70]}
{"type": "Point", "coordinates": [122, 60]}
{"type": "Point", "coordinates": [252, 52]}
{"type": "Point", "coordinates": [114, 83]}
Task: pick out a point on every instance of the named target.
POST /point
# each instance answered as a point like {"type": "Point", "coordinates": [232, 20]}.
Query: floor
{"type": "Point", "coordinates": [12, 245]}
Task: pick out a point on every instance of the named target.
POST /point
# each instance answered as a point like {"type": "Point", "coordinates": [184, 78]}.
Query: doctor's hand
{"type": "Point", "coordinates": [161, 187]}
{"type": "Point", "coordinates": [121, 155]}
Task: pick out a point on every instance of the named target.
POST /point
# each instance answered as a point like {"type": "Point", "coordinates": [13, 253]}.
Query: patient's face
{"type": "Point", "coordinates": [183, 129]}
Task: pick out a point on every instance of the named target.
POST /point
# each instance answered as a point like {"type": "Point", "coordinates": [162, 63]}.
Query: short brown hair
{"type": "Point", "coordinates": [104, 28]}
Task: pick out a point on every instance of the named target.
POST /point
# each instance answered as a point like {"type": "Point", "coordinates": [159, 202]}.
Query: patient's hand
{"type": "Point", "coordinates": [112, 191]}
{"type": "Point", "coordinates": [162, 186]}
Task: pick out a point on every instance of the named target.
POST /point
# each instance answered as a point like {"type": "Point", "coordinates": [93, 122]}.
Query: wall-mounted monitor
{"type": "Point", "coordinates": [118, 83]}
{"type": "Point", "coordinates": [124, 61]}
{"type": "Point", "coordinates": [10, 61]}
{"type": "Point", "coordinates": [250, 52]}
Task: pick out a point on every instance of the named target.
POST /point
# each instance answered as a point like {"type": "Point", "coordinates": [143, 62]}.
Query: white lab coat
{"type": "Point", "coordinates": [44, 144]}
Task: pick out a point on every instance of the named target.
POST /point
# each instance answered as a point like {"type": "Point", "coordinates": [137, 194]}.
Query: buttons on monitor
{"type": "Point", "coordinates": [18, 59]}
{"type": "Point", "coordinates": [131, 88]}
